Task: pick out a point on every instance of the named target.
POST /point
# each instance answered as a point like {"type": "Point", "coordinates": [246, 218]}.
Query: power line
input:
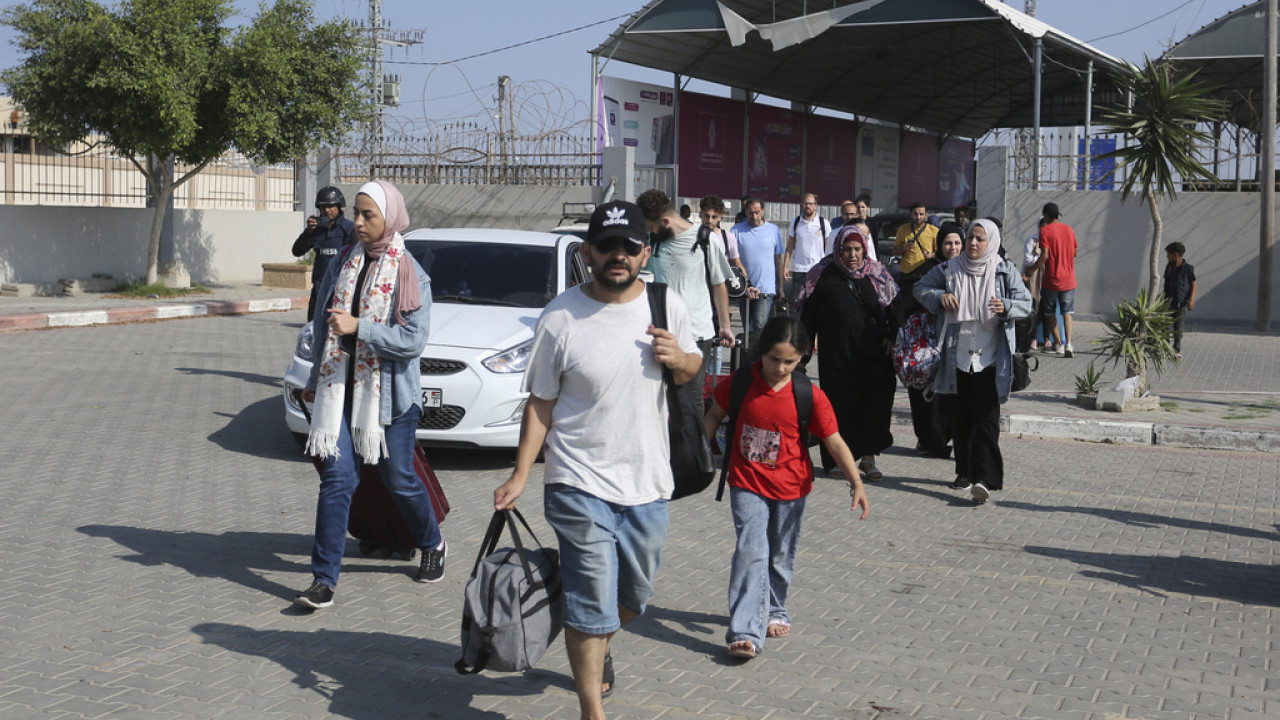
{"type": "Point", "coordinates": [1135, 27]}
{"type": "Point", "coordinates": [512, 47]}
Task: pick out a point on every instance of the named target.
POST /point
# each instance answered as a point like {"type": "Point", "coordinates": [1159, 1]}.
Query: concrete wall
{"type": "Point", "coordinates": [45, 244]}
{"type": "Point", "coordinates": [1220, 231]}
{"type": "Point", "coordinates": [503, 206]}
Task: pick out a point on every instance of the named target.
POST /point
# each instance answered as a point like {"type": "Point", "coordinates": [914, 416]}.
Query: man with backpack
{"type": "Point", "coordinates": [806, 245]}
{"type": "Point", "coordinates": [597, 400]}
{"type": "Point", "coordinates": [696, 269]}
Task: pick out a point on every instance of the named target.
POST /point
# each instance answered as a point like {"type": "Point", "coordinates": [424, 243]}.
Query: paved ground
{"type": "Point", "coordinates": [157, 519]}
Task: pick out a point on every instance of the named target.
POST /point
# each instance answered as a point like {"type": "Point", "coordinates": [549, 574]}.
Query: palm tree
{"type": "Point", "coordinates": [1165, 121]}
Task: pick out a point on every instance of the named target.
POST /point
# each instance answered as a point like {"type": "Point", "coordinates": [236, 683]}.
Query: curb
{"type": "Point", "coordinates": [120, 315]}
{"type": "Point", "coordinates": [1136, 433]}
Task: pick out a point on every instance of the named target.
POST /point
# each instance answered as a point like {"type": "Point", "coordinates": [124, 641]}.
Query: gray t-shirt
{"type": "Point", "coordinates": [608, 434]}
{"type": "Point", "coordinates": [676, 263]}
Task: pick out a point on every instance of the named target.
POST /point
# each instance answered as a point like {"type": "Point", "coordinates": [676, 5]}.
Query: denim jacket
{"type": "Point", "coordinates": [1017, 304]}
{"type": "Point", "coordinates": [399, 347]}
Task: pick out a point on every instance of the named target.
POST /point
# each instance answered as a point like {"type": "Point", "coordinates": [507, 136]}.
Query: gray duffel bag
{"type": "Point", "coordinates": [513, 607]}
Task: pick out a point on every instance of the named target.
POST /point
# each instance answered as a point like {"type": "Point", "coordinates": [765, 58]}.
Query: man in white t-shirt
{"type": "Point", "coordinates": [806, 245]}
{"type": "Point", "coordinates": [598, 405]}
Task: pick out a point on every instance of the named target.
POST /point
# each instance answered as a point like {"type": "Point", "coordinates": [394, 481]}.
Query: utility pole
{"type": "Point", "coordinates": [504, 83]}
{"type": "Point", "coordinates": [384, 90]}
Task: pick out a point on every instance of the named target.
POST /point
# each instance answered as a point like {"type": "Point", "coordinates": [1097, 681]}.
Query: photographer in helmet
{"type": "Point", "coordinates": [327, 232]}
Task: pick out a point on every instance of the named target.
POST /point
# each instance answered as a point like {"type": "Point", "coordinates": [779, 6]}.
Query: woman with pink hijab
{"type": "Point", "coordinates": [365, 386]}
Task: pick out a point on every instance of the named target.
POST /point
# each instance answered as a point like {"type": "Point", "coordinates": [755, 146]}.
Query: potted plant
{"type": "Point", "coordinates": [1139, 337]}
{"type": "Point", "coordinates": [1087, 386]}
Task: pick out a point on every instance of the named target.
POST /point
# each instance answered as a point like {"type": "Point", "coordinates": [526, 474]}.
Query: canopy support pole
{"type": "Point", "coordinates": [1035, 115]}
{"type": "Point", "coordinates": [1267, 150]}
{"type": "Point", "coordinates": [1088, 126]}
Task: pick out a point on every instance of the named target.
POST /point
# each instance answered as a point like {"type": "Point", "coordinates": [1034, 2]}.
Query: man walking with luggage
{"type": "Point", "coordinates": [597, 402]}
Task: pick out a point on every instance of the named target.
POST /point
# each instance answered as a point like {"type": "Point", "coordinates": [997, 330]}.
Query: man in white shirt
{"type": "Point", "coordinates": [806, 245]}
{"type": "Point", "coordinates": [598, 402]}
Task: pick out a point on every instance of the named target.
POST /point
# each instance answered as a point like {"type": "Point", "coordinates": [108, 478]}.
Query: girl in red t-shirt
{"type": "Point", "coordinates": [770, 475]}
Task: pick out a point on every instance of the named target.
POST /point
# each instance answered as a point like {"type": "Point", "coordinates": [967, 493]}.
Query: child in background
{"type": "Point", "coordinates": [1180, 288]}
{"type": "Point", "coordinates": [770, 475]}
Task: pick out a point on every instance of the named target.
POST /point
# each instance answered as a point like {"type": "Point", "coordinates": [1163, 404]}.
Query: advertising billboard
{"type": "Point", "coordinates": [710, 154]}
{"type": "Point", "coordinates": [639, 115]}
{"type": "Point", "coordinates": [831, 154]}
{"type": "Point", "coordinates": [774, 149]}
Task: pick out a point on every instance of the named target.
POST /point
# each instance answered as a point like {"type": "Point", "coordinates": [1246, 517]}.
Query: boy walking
{"type": "Point", "coordinates": [1180, 288]}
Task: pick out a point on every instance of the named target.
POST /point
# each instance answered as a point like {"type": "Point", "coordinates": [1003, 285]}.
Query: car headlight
{"type": "Point", "coordinates": [305, 339]}
{"type": "Point", "coordinates": [511, 361]}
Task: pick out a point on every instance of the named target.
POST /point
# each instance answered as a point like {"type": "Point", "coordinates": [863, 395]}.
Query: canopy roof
{"type": "Point", "coordinates": [959, 67]}
{"type": "Point", "coordinates": [1228, 55]}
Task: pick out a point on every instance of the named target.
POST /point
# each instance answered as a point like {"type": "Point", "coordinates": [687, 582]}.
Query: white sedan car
{"type": "Point", "coordinates": [488, 288]}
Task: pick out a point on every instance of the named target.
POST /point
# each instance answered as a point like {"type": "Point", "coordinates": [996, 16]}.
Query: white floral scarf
{"type": "Point", "coordinates": [331, 385]}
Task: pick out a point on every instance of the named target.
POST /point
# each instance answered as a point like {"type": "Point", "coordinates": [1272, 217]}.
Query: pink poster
{"type": "Point", "coordinates": [918, 170]}
{"type": "Point", "coordinates": [955, 173]}
{"type": "Point", "coordinates": [774, 154]}
{"type": "Point", "coordinates": [829, 170]}
{"type": "Point", "coordinates": [710, 153]}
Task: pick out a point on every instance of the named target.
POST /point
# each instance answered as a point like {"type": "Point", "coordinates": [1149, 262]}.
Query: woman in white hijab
{"type": "Point", "coordinates": [978, 295]}
{"type": "Point", "coordinates": [370, 329]}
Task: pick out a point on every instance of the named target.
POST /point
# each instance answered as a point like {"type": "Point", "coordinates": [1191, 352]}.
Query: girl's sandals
{"type": "Point", "coordinates": [607, 677]}
{"type": "Point", "coordinates": [778, 629]}
{"type": "Point", "coordinates": [744, 649]}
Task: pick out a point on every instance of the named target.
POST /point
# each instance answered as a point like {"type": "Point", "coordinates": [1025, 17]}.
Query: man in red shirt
{"type": "Point", "coordinates": [1058, 249]}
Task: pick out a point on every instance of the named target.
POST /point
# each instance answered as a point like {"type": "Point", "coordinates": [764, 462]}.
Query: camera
{"type": "Point", "coordinates": [322, 221]}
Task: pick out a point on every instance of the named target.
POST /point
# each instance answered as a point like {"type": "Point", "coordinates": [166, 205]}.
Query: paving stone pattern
{"type": "Point", "coordinates": [157, 515]}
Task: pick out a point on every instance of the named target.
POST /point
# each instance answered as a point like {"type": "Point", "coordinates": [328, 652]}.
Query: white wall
{"type": "Point", "coordinates": [46, 244]}
{"type": "Point", "coordinates": [1220, 231]}
{"type": "Point", "coordinates": [43, 244]}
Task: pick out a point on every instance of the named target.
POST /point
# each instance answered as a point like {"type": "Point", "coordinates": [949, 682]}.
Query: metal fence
{"type": "Point", "coordinates": [92, 175]}
{"type": "Point", "coordinates": [464, 154]}
{"type": "Point", "coordinates": [1062, 161]}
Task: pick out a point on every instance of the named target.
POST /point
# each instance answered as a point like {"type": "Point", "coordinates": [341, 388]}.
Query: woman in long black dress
{"type": "Point", "coordinates": [850, 307]}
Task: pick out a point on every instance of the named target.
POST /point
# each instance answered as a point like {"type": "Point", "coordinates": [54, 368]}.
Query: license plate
{"type": "Point", "coordinates": [432, 398]}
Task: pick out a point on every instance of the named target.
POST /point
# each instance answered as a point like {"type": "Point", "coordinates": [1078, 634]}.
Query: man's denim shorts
{"type": "Point", "coordinates": [1053, 300]}
{"type": "Point", "coordinates": [609, 555]}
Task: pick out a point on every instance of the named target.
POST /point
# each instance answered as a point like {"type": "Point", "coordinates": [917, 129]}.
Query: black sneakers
{"type": "Point", "coordinates": [431, 569]}
{"type": "Point", "coordinates": [315, 597]}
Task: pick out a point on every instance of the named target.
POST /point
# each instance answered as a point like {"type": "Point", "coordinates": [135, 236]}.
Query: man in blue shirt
{"type": "Point", "coordinates": [762, 250]}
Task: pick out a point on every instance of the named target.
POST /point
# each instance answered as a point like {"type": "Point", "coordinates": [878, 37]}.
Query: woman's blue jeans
{"type": "Point", "coordinates": [768, 531]}
{"type": "Point", "coordinates": [339, 478]}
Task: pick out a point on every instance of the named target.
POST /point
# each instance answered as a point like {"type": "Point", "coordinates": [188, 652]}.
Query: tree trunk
{"type": "Point", "coordinates": [164, 193]}
{"type": "Point", "coordinates": [1157, 238]}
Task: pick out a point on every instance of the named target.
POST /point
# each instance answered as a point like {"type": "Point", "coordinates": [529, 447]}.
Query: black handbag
{"type": "Point", "coordinates": [693, 466]}
{"type": "Point", "coordinates": [1022, 371]}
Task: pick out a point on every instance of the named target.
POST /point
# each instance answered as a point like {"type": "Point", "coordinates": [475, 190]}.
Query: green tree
{"type": "Point", "coordinates": [1164, 122]}
{"type": "Point", "coordinates": [164, 81]}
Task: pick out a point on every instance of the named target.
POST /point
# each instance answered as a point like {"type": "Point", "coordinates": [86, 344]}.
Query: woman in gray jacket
{"type": "Point", "coordinates": [977, 296]}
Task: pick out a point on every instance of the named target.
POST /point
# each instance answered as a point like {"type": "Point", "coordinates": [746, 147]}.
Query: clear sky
{"type": "Point", "coordinates": [551, 77]}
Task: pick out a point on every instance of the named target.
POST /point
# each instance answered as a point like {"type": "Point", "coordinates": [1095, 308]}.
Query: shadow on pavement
{"type": "Point", "coordinates": [258, 430]}
{"type": "Point", "coordinates": [1184, 575]}
{"type": "Point", "coordinates": [1148, 520]}
{"type": "Point", "coordinates": [362, 673]}
{"type": "Point", "coordinates": [657, 621]}
{"type": "Point", "coordinates": [247, 377]}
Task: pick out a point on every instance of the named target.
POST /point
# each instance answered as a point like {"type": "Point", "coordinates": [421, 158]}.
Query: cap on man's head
{"type": "Point", "coordinates": [618, 219]}
{"type": "Point", "coordinates": [1051, 209]}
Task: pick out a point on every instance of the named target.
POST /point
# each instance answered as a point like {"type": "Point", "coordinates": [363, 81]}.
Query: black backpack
{"type": "Point", "coordinates": [801, 389]}
{"type": "Point", "coordinates": [692, 464]}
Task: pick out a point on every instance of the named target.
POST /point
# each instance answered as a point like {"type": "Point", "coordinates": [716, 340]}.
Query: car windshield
{"type": "Point", "coordinates": [480, 273]}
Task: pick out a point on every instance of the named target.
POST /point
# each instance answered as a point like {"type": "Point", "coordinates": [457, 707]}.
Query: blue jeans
{"type": "Point", "coordinates": [339, 478]}
{"type": "Point", "coordinates": [768, 531]}
{"type": "Point", "coordinates": [609, 555]}
{"type": "Point", "coordinates": [758, 313]}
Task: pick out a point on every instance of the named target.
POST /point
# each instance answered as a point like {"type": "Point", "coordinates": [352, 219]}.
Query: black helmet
{"type": "Point", "coordinates": [330, 195]}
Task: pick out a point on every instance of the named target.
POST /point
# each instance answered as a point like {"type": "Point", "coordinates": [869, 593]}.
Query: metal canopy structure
{"type": "Point", "coordinates": [1228, 54]}
{"type": "Point", "coordinates": [958, 67]}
